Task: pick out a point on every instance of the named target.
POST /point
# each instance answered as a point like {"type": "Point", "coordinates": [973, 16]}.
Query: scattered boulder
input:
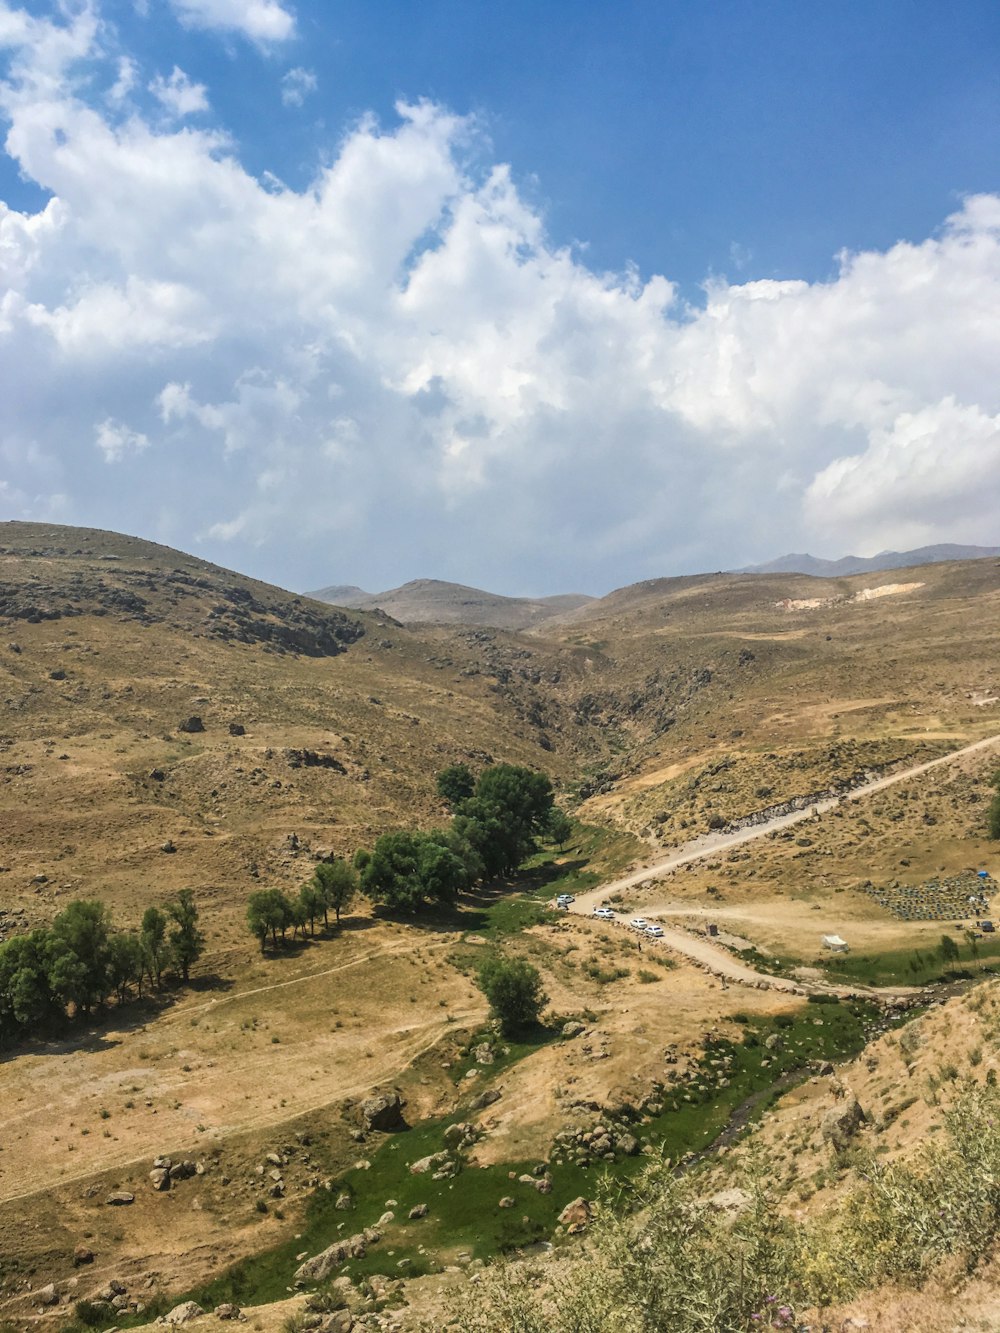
{"type": "Point", "coordinates": [183, 1170]}
{"type": "Point", "coordinates": [418, 1210]}
{"type": "Point", "coordinates": [182, 1314]}
{"type": "Point", "coordinates": [159, 1178]}
{"type": "Point", "coordinates": [157, 775]}
{"type": "Point", "coordinates": [383, 1111]}
{"type": "Point", "coordinates": [119, 1199]}
{"type": "Point", "coordinates": [841, 1123]}
{"type": "Point", "coordinates": [485, 1099]}
{"type": "Point", "coordinates": [321, 1265]}
{"type": "Point", "coordinates": [192, 725]}
{"type": "Point", "coordinates": [168, 846]}
{"type": "Point", "coordinates": [344, 1203]}
{"type": "Point", "coordinates": [341, 1321]}
{"type": "Point", "coordinates": [47, 1295]}
{"type": "Point", "coordinates": [456, 1136]}
{"type": "Point", "coordinates": [434, 1162]}
{"type": "Point", "coordinates": [575, 1216]}
{"type": "Point", "coordinates": [627, 1145]}
{"type": "Point", "coordinates": [228, 1311]}
{"type": "Point", "coordinates": [483, 1054]}
{"type": "Point", "coordinates": [506, 1202]}
{"type": "Point", "coordinates": [82, 1255]}
{"type": "Point", "coordinates": [237, 729]}
{"type": "Point", "coordinates": [572, 1029]}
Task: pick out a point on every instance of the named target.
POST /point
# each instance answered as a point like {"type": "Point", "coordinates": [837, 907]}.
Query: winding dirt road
{"type": "Point", "coordinates": [712, 956]}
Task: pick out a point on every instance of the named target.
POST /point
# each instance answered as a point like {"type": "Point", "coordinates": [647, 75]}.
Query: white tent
{"type": "Point", "coordinates": [835, 943]}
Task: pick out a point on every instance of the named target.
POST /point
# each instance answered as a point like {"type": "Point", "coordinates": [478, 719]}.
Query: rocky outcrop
{"type": "Point", "coordinates": [841, 1123]}
{"type": "Point", "coordinates": [321, 1265]}
{"type": "Point", "coordinates": [383, 1111]}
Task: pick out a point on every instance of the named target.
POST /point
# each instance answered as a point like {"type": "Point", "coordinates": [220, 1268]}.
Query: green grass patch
{"type": "Point", "coordinates": [464, 1213]}
{"type": "Point", "coordinates": [913, 967]}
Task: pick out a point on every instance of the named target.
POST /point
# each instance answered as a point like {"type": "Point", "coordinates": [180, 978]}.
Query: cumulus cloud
{"type": "Point", "coordinates": [296, 86]}
{"type": "Point", "coordinates": [263, 21]}
{"type": "Point", "coordinates": [178, 94]}
{"type": "Point", "coordinates": [395, 371]}
{"type": "Point", "coordinates": [115, 440]}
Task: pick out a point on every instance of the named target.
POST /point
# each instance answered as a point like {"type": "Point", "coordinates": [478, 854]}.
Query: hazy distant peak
{"type": "Point", "coordinates": [435, 601]}
{"type": "Point", "coordinates": [855, 564]}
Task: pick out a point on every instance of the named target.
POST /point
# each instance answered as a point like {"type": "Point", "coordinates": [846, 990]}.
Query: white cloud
{"type": "Point", "coordinates": [115, 441]}
{"type": "Point", "coordinates": [127, 78]}
{"type": "Point", "coordinates": [178, 94]}
{"type": "Point", "coordinates": [396, 370]}
{"type": "Point", "coordinates": [263, 21]}
{"type": "Point", "coordinates": [296, 86]}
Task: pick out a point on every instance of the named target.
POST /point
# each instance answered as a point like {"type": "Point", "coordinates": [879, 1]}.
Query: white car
{"type": "Point", "coordinates": [565, 899]}
{"type": "Point", "coordinates": [603, 914]}
{"type": "Point", "coordinates": [655, 932]}
{"type": "Point", "coordinates": [638, 923]}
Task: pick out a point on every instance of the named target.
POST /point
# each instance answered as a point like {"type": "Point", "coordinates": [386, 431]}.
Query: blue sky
{"type": "Point", "coordinates": [627, 290]}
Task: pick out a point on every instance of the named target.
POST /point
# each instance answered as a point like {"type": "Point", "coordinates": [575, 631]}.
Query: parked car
{"type": "Point", "coordinates": [603, 913]}
{"type": "Point", "coordinates": [565, 899]}
{"type": "Point", "coordinates": [986, 926]}
{"type": "Point", "coordinates": [654, 931]}
{"type": "Point", "coordinates": [638, 923]}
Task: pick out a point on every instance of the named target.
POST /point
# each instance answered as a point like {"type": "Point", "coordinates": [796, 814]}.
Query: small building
{"type": "Point", "coordinates": [835, 944]}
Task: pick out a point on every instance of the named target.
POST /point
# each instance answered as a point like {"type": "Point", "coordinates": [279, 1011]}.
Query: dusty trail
{"type": "Point", "coordinates": [714, 957]}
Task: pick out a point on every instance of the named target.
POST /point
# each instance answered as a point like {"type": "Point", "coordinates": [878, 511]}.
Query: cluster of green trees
{"type": "Point", "coordinates": [273, 912]}
{"type": "Point", "coordinates": [496, 818]}
{"type": "Point", "coordinates": [993, 814]}
{"type": "Point", "coordinates": [81, 960]}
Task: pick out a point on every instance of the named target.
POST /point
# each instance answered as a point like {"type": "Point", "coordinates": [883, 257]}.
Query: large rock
{"type": "Point", "coordinates": [228, 1311]}
{"type": "Point", "coordinates": [159, 1178]}
{"type": "Point", "coordinates": [434, 1162]}
{"type": "Point", "coordinates": [119, 1198]}
{"type": "Point", "coordinates": [321, 1265]}
{"type": "Point", "coordinates": [182, 1314]}
{"type": "Point", "coordinates": [383, 1111]}
{"type": "Point", "coordinates": [841, 1123]}
{"type": "Point", "coordinates": [47, 1295]}
{"type": "Point", "coordinates": [83, 1254]}
{"type": "Point", "coordinates": [575, 1216]}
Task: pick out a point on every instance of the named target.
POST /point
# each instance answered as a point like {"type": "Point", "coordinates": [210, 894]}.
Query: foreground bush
{"type": "Point", "coordinates": [660, 1257]}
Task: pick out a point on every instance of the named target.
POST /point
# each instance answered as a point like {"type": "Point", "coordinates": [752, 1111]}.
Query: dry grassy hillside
{"type": "Point", "coordinates": [659, 711]}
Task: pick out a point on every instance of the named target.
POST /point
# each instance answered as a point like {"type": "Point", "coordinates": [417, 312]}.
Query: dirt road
{"type": "Point", "coordinates": [713, 956]}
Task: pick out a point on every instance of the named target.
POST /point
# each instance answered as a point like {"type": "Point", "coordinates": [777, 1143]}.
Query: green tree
{"type": "Point", "coordinates": [508, 809]}
{"type": "Point", "coordinates": [153, 938]}
{"type": "Point", "coordinates": [455, 784]}
{"type": "Point", "coordinates": [392, 873]}
{"type": "Point", "coordinates": [514, 990]}
{"type": "Point", "coordinates": [338, 883]}
{"type": "Point", "coordinates": [187, 943]}
{"type": "Point", "coordinates": [126, 962]}
{"type": "Point", "coordinates": [948, 950]}
{"type": "Point", "coordinates": [442, 874]}
{"type": "Point", "coordinates": [558, 827]}
{"type": "Point", "coordinates": [311, 903]}
{"type": "Point", "coordinates": [78, 946]}
{"type": "Point", "coordinates": [268, 911]}
{"type": "Point", "coordinates": [27, 1003]}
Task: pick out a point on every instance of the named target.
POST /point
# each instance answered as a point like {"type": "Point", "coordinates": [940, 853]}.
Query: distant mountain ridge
{"type": "Point", "coordinates": [433, 601]}
{"type": "Point", "coordinates": [856, 564]}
